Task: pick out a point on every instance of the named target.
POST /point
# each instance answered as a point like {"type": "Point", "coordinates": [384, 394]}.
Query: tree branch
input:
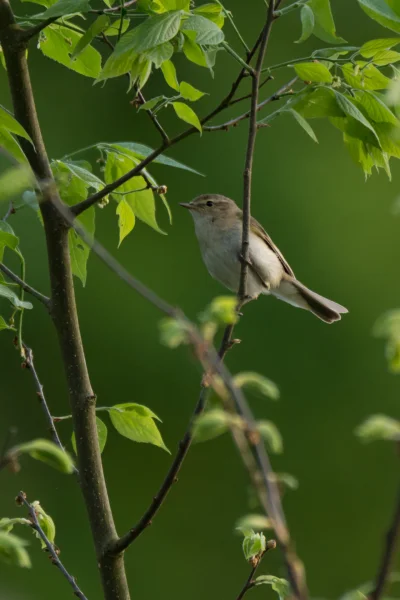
{"type": "Point", "coordinates": [43, 299]}
{"type": "Point", "coordinates": [388, 553]}
{"type": "Point", "coordinates": [270, 545]}
{"type": "Point", "coordinates": [21, 499]}
{"type": "Point", "coordinates": [64, 313]}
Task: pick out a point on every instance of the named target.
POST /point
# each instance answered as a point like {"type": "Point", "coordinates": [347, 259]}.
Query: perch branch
{"type": "Point", "coordinates": [270, 545]}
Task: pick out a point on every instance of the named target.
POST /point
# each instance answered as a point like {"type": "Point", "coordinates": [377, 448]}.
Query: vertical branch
{"type": "Point", "coordinates": [388, 553]}
{"type": "Point", "coordinates": [64, 313]}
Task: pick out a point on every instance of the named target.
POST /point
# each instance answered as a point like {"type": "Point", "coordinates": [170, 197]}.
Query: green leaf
{"type": "Point", "coordinates": [280, 586]}
{"type": "Point", "coordinates": [8, 293]}
{"type": "Point", "coordinates": [206, 32]}
{"type": "Point", "coordinates": [194, 52]}
{"type": "Point", "coordinates": [140, 72]}
{"type": "Point", "coordinates": [352, 111]}
{"type": "Point", "coordinates": [303, 123]}
{"type": "Point", "coordinates": [254, 544]}
{"type": "Point", "coordinates": [214, 423]}
{"type": "Point", "coordinates": [46, 523]}
{"type": "Point", "coordinates": [169, 72]}
{"type": "Point", "coordinates": [371, 48]}
{"type": "Point", "coordinates": [90, 180]}
{"type": "Point", "coordinates": [386, 57]}
{"type": "Point", "coordinates": [9, 123]}
{"type": "Point", "coordinates": [375, 108]}
{"type": "Point", "coordinates": [307, 23]}
{"type": "Point", "coordinates": [4, 324]}
{"type": "Point", "coordinates": [213, 12]}
{"type": "Point", "coordinates": [257, 384]}
{"type": "Point", "coordinates": [153, 31]}
{"type": "Point", "coordinates": [141, 151]}
{"type": "Point", "coordinates": [222, 311]}
{"type": "Point", "coordinates": [160, 54]}
{"type": "Point", "coordinates": [379, 427]}
{"type": "Point", "coordinates": [12, 550]}
{"type": "Point", "coordinates": [14, 181]}
{"type": "Point", "coordinates": [12, 146]}
{"type": "Point", "coordinates": [136, 422]}
{"type": "Point", "coordinates": [79, 250]}
{"type": "Point", "coordinates": [287, 480]}
{"type": "Point", "coordinates": [61, 8]}
{"type": "Point", "coordinates": [314, 71]}
{"type": "Point", "coordinates": [56, 43]}
{"type": "Point", "coordinates": [47, 452]}
{"type": "Point", "coordinates": [187, 114]}
{"type": "Point", "coordinates": [7, 237]}
{"type": "Point", "coordinates": [113, 29]}
{"type": "Point", "coordinates": [151, 103]}
{"type": "Point", "coordinates": [188, 92]}
{"type": "Point", "coordinates": [142, 203]}
{"type": "Point", "coordinates": [173, 333]}
{"type": "Point", "coordinates": [126, 219]}
{"type": "Point", "coordinates": [117, 65]}
{"type": "Point", "coordinates": [6, 525]}
{"type": "Point", "coordinates": [379, 11]}
{"type": "Point", "coordinates": [101, 433]}
{"type": "Point", "coordinates": [318, 103]}
{"type": "Point", "coordinates": [253, 521]}
{"type": "Point", "coordinates": [97, 27]}
{"type": "Point", "coordinates": [270, 434]}
{"type": "Point", "coordinates": [365, 77]}
{"type": "Point", "coordinates": [324, 28]}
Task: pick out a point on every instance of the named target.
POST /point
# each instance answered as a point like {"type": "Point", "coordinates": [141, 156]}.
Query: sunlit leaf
{"type": "Point", "coordinates": [169, 72]}
{"type": "Point", "coordinates": [101, 433]}
{"type": "Point", "coordinates": [379, 427]}
{"type": "Point", "coordinates": [66, 7]}
{"type": "Point", "coordinates": [187, 114]}
{"type": "Point", "coordinates": [46, 523]}
{"type": "Point", "coordinates": [194, 52]}
{"type": "Point", "coordinates": [303, 123]}
{"type": "Point", "coordinates": [253, 521]}
{"type": "Point", "coordinates": [257, 384]}
{"type": "Point", "coordinates": [206, 32]}
{"type": "Point", "coordinates": [280, 586]}
{"type": "Point", "coordinates": [97, 27]}
{"type": "Point", "coordinates": [381, 12]}
{"type": "Point", "coordinates": [79, 250]}
{"type": "Point", "coordinates": [126, 219]}
{"type": "Point", "coordinates": [14, 181]}
{"type": "Point", "coordinates": [188, 92]}
{"type": "Point", "coordinates": [307, 23]}
{"type": "Point", "coordinates": [369, 49]}
{"type": "Point", "coordinates": [10, 123]}
{"type": "Point", "coordinates": [153, 31]}
{"type": "Point", "coordinates": [365, 76]}
{"type": "Point", "coordinates": [136, 422]}
{"type": "Point", "coordinates": [313, 71]}
{"type": "Point", "coordinates": [324, 27]}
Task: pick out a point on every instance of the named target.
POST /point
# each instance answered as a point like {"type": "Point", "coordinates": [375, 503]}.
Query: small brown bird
{"type": "Point", "coordinates": [218, 224]}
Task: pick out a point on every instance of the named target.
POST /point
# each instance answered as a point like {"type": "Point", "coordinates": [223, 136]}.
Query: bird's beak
{"type": "Point", "coordinates": [186, 205]}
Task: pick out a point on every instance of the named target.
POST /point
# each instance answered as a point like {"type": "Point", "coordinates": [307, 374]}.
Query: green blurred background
{"type": "Point", "coordinates": [342, 240]}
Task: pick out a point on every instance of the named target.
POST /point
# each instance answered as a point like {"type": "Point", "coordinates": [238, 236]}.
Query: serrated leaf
{"type": "Point", "coordinates": [379, 427]}
{"type": "Point", "coordinates": [12, 550]}
{"type": "Point", "coordinates": [280, 586]}
{"type": "Point", "coordinates": [8, 293]}
{"type": "Point", "coordinates": [140, 72]}
{"type": "Point", "coordinates": [136, 422]}
{"type": "Point", "coordinates": [303, 123]}
{"type": "Point", "coordinates": [386, 57]}
{"type": "Point", "coordinates": [187, 114]}
{"type": "Point", "coordinates": [213, 12]}
{"type": "Point", "coordinates": [169, 72]}
{"type": "Point", "coordinates": [365, 77]}
{"type": "Point", "coordinates": [153, 31]}
{"type": "Point", "coordinates": [313, 71]}
{"type": "Point", "coordinates": [46, 452]}
{"type": "Point", "coordinates": [10, 123]}
{"type": "Point", "coordinates": [258, 384]}
{"type": "Point", "coordinates": [379, 11]}
{"type": "Point", "coordinates": [56, 43]}
{"type": "Point", "coordinates": [97, 27]}
{"type": "Point", "coordinates": [46, 523]}
{"type": "Point", "coordinates": [160, 54]}
{"type": "Point", "coordinates": [307, 23]}
{"type": "Point", "coordinates": [101, 433]}
{"type": "Point", "coordinates": [126, 219]}
{"type": "Point", "coordinates": [14, 181]}
{"type": "Point", "coordinates": [369, 49]}
{"type": "Point", "coordinates": [270, 434]}
{"type": "Point", "coordinates": [324, 27]}
{"type": "Point", "coordinates": [352, 111]}
{"type": "Point", "coordinates": [253, 522]}
{"type": "Point", "coordinates": [194, 52]}
{"type": "Point", "coordinates": [117, 65]}
{"type": "Point", "coordinates": [206, 32]}
{"type": "Point", "coordinates": [66, 7]}
{"type": "Point", "coordinates": [188, 92]}
{"type": "Point", "coordinates": [318, 103]}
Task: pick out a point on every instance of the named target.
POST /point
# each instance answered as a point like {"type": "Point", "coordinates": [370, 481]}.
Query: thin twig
{"type": "Point", "coordinates": [10, 211]}
{"type": "Point", "coordinates": [50, 547]}
{"type": "Point", "coordinates": [270, 545]}
{"type": "Point", "coordinates": [247, 96]}
{"type": "Point", "coordinates": [233, 122]}
{"type": "Point", "coordinates": [29, 362]}
{"type": "Point", "coordinates": [43, 299]}
{"type": "Point", "coordinates": [388, 553]}
{"type": "Point", "coordinates": [153, 117]}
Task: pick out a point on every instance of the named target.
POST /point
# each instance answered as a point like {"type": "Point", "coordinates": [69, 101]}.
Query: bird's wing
{"type": "Point", "coordinates": [256, 228]}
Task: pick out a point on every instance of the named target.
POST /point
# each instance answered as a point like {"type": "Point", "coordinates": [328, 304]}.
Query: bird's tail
{"type": "Point", "coordinates": [295, 293]}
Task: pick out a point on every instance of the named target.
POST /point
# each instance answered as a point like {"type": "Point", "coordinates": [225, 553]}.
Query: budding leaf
{"type": "Point", "coordinates": [46, 523]}
{"type": "Point", "coordinates": [258, 384]}
{"type": "Point", "coordinates": [379, 427]}
{"type": "Point", "coordinates": [280, 586]}
{"type": "Point", "coordinates": [253, 522]}
{"type": "Point", "coordinates": [187, 114]}
{"type": "Point", "coordinates": [46, 452]}
{"type": "Point", "coordinates": [12, 550]}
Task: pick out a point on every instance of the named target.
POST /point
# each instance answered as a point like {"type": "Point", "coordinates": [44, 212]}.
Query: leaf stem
{"type": "Point", "coordinates": [236, 56]}
{"type": "Point", "coordinates": [228, 14]}
{"type": "Point", "coordinates": [24, 286]}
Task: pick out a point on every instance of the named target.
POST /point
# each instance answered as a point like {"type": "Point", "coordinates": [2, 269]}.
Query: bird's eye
{"type": "Point", "coordinates": [209, 203]}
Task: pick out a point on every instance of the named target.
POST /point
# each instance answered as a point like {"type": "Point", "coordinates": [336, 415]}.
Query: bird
{"type": "Point", "coordinates": [218, 225]}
